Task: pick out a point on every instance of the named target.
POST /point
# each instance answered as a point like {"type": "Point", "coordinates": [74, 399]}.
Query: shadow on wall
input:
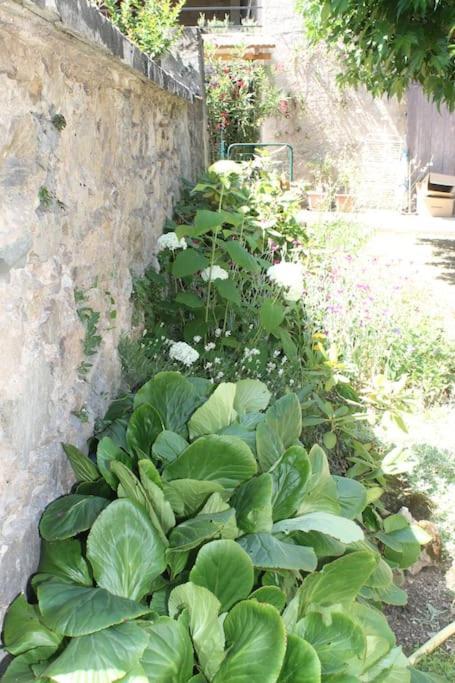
{"type": "Point", "coordinates": [324, 121]}
{"type": "Point", "coordinates": [444, 253]}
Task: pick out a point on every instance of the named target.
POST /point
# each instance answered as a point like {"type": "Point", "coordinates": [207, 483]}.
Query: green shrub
{"type": "Point", "coordinates": [202, 542]}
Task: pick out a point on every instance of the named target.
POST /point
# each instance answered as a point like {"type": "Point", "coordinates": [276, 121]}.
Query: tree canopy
{"type": "Point", "coordinates": [389, 44]}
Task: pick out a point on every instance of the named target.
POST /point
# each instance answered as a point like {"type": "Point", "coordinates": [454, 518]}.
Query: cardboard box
{"type": "Point", "coordinates": [441, 207]}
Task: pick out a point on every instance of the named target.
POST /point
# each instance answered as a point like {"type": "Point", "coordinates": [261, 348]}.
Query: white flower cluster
{"type": "Point", "coordinates": [250, 353]}
{"type": "Point", "coordinates": [289, 276]}
{"type": "Point", "coordinates": [184, 353]}
{"type": "Point", "coordinates": [214, 273]}
{"type": "Point", "coordinates": [170, 241]}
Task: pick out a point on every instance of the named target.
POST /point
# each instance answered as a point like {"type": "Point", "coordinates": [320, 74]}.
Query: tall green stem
{"type": "Point", "coordinates": [212, 258]}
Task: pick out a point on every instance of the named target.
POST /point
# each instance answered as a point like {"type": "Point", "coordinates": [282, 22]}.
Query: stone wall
{"type": "Point", "coordinates": [81, 207]}
{"type": "Point", "coordinates": [366, 135]}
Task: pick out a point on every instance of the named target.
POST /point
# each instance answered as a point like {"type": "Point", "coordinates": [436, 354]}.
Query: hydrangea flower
{"type": "Point", "coordinates": [289, 276]}
{"type": "Point", "coordinates": [170, 241]}
{"type": "Point", "coordinates": [183, 353]}
{"type": "Point", "coordinates": [214, 273]}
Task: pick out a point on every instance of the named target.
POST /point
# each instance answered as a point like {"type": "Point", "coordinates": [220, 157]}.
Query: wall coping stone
{"type": "Point", "coordinates": [85, 22]}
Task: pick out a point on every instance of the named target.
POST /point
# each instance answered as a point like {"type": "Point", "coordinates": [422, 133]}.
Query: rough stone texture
{"type": "Point", "coordinates": [324, 121]}
{"type": "Point", "coordinates": [112, 175]}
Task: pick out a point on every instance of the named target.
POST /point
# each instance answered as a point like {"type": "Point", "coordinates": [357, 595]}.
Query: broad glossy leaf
{"type": "Point", "coordinates": [243, 432]}
{"type": "Point", "coordinates": [168, 657]}
{"type": "Point", "coordinates": [379, 636]}
{"type": "Point", "coordinates": [323, 545]}
{"type": "Point", "coordinates": [20, 669]}
{"type": "Point", "coordinates": [187, 496]}
{"type": "Point", "coordinates": [100, 488]}
{"type": "Point", "coordinates": [82, 466]}
{"type": "Point", "coordinates": [336, 643]}
{"type": "Point", "coordinates": [272, 595]}
{"type": "Point", "coordinates": [69, 515]}
{"type": "Point", "coordinates": [344, 530]}
{"type": "Point", "coordinates": [136, 675]}
{"type": "Point", "coordinates": [168, 446]}
{"type": "Point", "coordinates": [280, 429]}
{"type": "Point", "coordinates": [131, 488]}
{"type": "Point", "coordinates": [190, 300]}
{"type": "Point", "coordinates": [205, 627]}
{"type": "Point", "coordinates": [339, 581]}
{"type": "Point", "coordinates": [301, 663]}
{"type": "Point", "coordinates": [321, 491]}
{"type": "Point", "coordinates": [188, 262]}
{"type": "Point", "coordinates": [256, 642]}
{"type": "Point", "coordinates": [174, 398]}
{"type": "Point", "coordinates": [216, 413]}
{"type": "Point", "coordinates": [143, 428]}
{"type": "Point", "coordinates": [227, 290]}
{"type": "Point", "coordinates": [224, 459]}
{"type": "Point", "coordinates": [268, 552]}
{"type": "Point", "coordinates": [241, 256]}
{"type": "Point", "coordinates": [125, 550]}
{"type": "Point", "coordinates": [271, 315]}
{"type": "Point", "coordinates": [225, 569]}
{"type": "Point", "coordinates": [77, 610]}
{"type": "Point", "coordinates": [193, 532]}
{"type": "Point", "coordinates": [101, 657]}
{"type": "Point", "coordinates": [251, 396]}
{"type": "Point", "coordinates": [290, 478]}
{"type": "Point", "coordinates": [160, 504]}
{"type": "Point", "coordinates": [64, 560]}
{"type": "Point", "coordinates": [23, 630]}
{"type": "Point", "coordinates": [253, 504]}
{"type": "Point", "coordinates": [352, 496]}
{"type": "Point", "coordinates": [106, 452]}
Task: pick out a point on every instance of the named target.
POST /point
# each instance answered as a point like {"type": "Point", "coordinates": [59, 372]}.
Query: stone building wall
{"type": "Point", "coordinates": [366, 135]}
{"type": "Point", "coordinates": [81, 207]}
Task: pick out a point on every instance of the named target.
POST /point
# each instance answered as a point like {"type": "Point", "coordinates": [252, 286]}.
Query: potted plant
{"type": "Point", "coordinates": [322, 185]}
{"type": "Point", "coordinates": [344, 199]}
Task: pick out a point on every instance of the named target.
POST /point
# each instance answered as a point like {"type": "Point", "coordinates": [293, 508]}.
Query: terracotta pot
{"type": "Point", "coordinates": [317, 201]}
{"type": "Point", "coordinates": [344, 202]}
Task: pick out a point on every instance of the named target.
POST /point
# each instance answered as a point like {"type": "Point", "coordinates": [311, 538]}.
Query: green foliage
{"type": "Point", "coordinates": [45, 198]}
{"type": "Point", "coordinates": [151, 24]}
{"type": "Point", "coordinates": [190, 579]}
{"type": "Point", "coordinates": [59, 122]}
{"type": "Point", "coordinates": [240, 95]}
{"type": "Point", "coordinates": [387, 46]}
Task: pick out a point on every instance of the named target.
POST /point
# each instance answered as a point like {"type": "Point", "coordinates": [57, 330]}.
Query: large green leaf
{"type": "Point", "coordinates": [216, 413]}
{"type": "Point", "coordinates": [168, 446]}
{"type": "Point", "coordinates": [227, 290]}
{"type": "Point", "coordinates": [188, 262]}
{"type": "Point", "coordinates": [323, 545]}
{"type": "Point", "coordinates": [20, 671]}
{"type": "Point", "coordinates": [241, 256]}
{"type": "Point", "coordinates": [301, 663]}
{"type": "Point", "coordinates": [83, 467]}
{"type": "Point", "coordinates": [102, 657]}
{"type": "Point", "coordinates": [379, 636]}
{"type": "Point", "coordinates": [168, 657]}
{"type": "Point", "coordinates": [352, 496]}
{"type": "Point", "coordinates": [224, 459]}
{"type": "Point", "coordinates": [125, 550]}
{"type": "Point", "coordinates": [23, 630]}
{"type": "Point", "coordinates": [187, 496]}
{"type": "Point", "coordinates": [130, 487]}
{"type": "Point", "coordinates": [77, 610]}
{"type": "Point", "coordinates": [256, 642]}
{"type": "Point", "coordinates": [69, 515]}
{"type": "Point", "coordinates": [253, 504]}
{"type": "Point", "coordinates": [106, 452]}
{"type": "Point", "coordinates": [190, 300]}
{"type": "Point", "coordinates": [193, 532]}
{"type": "Point", "coordinates": [290, 477]}
{"type": "Point", "coordinates": [280, 429]}
{"type": "Point", "coordinates": [321, 491]}
{"type": "Point", "coordinates": [271, 315]}
{"type": "Point", "coordinates": [268, 552]}
{"type": "Point", "coordinates": [251, 396]}
{"type": "Point", "coordinates": [174, 398]}
{"type": "Point", "coordinates": [340, 581]}
{"type": "Point", "coordinates": [204, 221]}
{"type": "Point", "coordinates": [64, 560]}
{"type": "Point", "coordinates": [205, 626]}
{"type": "Point", "coordinates": [224, 569]}
{"type": "Point", "coordinates": [143, 428]}
{"type": "Point", "coordinates": [337, 640]}
{"type": "Point", "coordinates": [344, 530]}
{"type": "Point", "coordinates": [272, 595]}
{"type": "Point", "coordinates": [160, 504]}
